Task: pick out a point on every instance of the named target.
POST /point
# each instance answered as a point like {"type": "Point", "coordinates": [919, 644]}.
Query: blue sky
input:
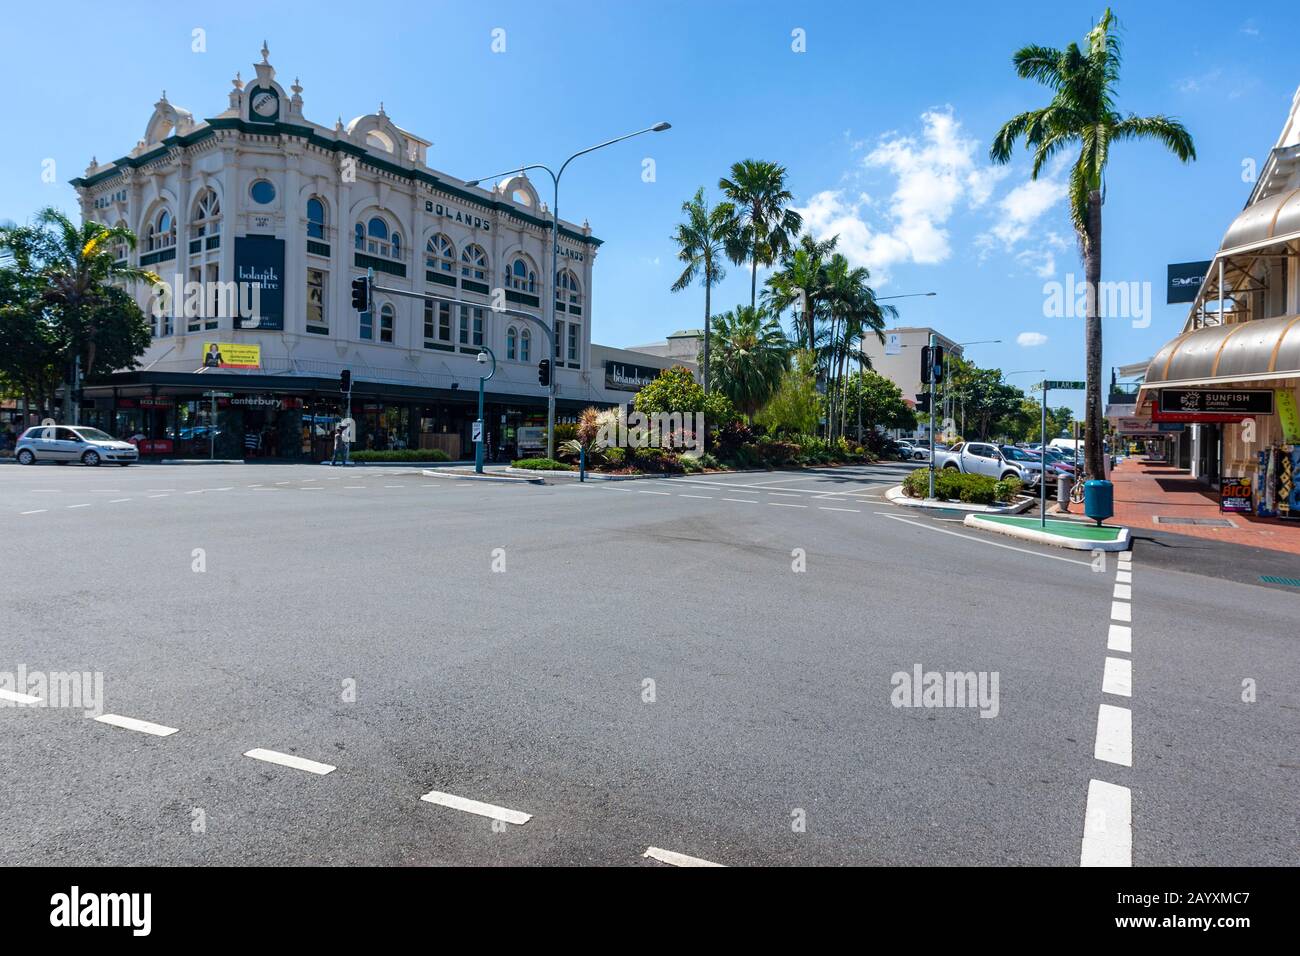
{"type": "Point", "coordinates": [883, 122]}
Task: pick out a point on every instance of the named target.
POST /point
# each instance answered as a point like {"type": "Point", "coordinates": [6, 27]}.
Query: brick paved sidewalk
{"type": "Point", "coordinates": [1145, 490]}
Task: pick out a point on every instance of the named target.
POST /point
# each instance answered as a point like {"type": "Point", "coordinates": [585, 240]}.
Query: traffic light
{"type": "Point", "coordinates": [544, 372]}
{"type": "Point", "coordinates": [361, 293]}
{"type": "Point", "coordinates": [345, 380]}
{"type": "Point", "coordinates": [922, 401]}
{"type": "Point", "coordinates": [931, 364]}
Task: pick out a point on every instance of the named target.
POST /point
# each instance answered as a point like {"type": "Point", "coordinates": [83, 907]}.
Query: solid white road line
{"type": "Point", "coordinates": [1124, 577]}
{"type": "Point", "coordinates": [1120, 639]}
{"type": "Point", "coordinates": [474, 806]}
{"type": "Point", "coordinates": [1124, 592]}
{"type": "Point", "coordinates": [676, 859]}
{"type": "Point", "coordinates": [130, 723]}
{"type": "Point", "coordinates": [1121, 611]}
{"type": "Point", "coordinates": [995, 544]}
{"type": "Point", "coordinates": [289, 760]}
{"type": "Point", "coordinates": [17, 698]}
{"type": "Point", "coordinates": [1118, 677]}
{"type": "Point", "coordinates": [1114, 735]}
{"type": "Point", "coordinates": [1107, 826]}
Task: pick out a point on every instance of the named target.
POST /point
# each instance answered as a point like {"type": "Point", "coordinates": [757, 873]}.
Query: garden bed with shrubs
{"type": "Point", "coordinates": [952, 485]}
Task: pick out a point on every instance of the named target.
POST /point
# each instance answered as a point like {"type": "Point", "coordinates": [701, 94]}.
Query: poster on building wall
{"type": "Point", "coordinates": [231, 355]}
{"type": "Point", "coordinates": [259, 271]}
{"type": "Point", "coordinates": [893, 343]}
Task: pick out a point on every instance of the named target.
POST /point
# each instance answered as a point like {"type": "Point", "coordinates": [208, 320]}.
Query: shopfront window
{"type": "Point", "coordinates": [317, 320]}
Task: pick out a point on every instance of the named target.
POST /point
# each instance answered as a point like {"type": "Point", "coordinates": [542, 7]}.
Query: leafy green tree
{"type": "Point", "coordinates": [880, 402]}
{"type": "Point", "coordinates": [65, 292]}
{"type": "Point", "coordinates": [795, 407]}
{"type": "Point", "coordinates": [761, 223]}
{"type": "Point", "coordinates": [750, 354]}
{"type": "Point", "coordinates": [801, 283]}
{"type": "Point", "coordinates": [1082, 115]}
{"type": "Point", "coordinates": [700, 246]}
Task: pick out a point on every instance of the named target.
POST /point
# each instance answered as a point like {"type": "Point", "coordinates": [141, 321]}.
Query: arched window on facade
{"type": "Point", "coordinates": [568, 293]}
{"type": "Point", "coordinates": [161, 233]}
{"type": "Point", "coordinates": [512, 343]}
{"type": "Point", "coordinates": [525, 345]}
{"type": "Point", "coordinates": [474, 263]}
{"type": "Point", "coordinates": [206, 218]}
{"type": "Point", "coordinates": [440, 254]}
{"type": "Point", "coordinates": [376, 239]}
{"type": "Point", "coordinates": [315, 218]}
{"type": "Point", "coordinates": [521, 276]}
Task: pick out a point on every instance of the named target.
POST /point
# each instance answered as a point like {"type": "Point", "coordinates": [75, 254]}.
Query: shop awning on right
{"type": "Point", "coordinates": [1258, 351]}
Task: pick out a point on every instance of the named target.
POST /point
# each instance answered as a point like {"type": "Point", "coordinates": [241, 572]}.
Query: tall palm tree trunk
{"type": "Point", "coordinates": [1092, 271]}
{"type": "Point", "coordinates": [708, 333]}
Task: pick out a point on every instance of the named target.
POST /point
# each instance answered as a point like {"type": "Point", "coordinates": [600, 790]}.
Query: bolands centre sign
{"type": "Point", "coordinates": [624, 377]}
{"type": "Point", "coordinates": [259, 260]}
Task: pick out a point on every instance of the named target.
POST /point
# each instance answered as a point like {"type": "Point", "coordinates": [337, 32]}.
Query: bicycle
{"type": "Point", "coordinates": [1076, 489]}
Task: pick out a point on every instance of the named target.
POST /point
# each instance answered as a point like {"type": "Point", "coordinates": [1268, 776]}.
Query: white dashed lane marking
{"type": "Point", "coordinates": [517, 817]}
{"type": "Point", "coordinates": [1107, 826]}
{"type": "Point", "coordinates": [1120, 639]}
{"type": "Point", "coordinates": [14, 697]}
{"type": "Point", "coordinates": [117, 501]}
{"type": "Point", "coordinates": [1124, 577]}
{"type": "Point", "coordinates": [38, 511]}
{"type": "Point", "coordinates": [289, 760]}
{"type": "Point", "coordinates": [743, 501]}
{"type": "Point", "coordinates": [1124, 592]}
{"type": "Point", "coordinates": [1117, 678]}
{"type": "Point", "coordinates": [672, 858]}
{"type": "Point", "coordinates": [1114, 742]}
{"type": "Point", "coordinates": [141, 726]}
{"type": "Point", "coordinates": [783, 504]}
{"type": "Point", "coordinates": [1121, 611]}
{"type": "Point", "coordinates": [703, 497]}
{"type": "Point", "coordinates": [78, 506]}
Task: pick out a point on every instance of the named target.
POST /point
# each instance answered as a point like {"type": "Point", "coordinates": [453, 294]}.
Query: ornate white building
{"type": "Point", "coordinates": [260, 194]}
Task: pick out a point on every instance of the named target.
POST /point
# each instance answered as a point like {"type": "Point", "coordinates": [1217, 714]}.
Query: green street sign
{"type": "Point", "coordinates": [1078, 386]}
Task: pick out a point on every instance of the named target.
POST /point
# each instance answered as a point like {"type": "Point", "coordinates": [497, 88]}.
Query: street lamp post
{"type": "Point", "coordinates": [558, 346]}
{"type": "Point", "coordinates": [482, 425]}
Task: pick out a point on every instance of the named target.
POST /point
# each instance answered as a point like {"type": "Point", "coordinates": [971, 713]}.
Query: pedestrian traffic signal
{"type": "Point", "coordinates": [345, 380]}
{"type": "Point", "coordinates": [931, 364]}
{"type": "Point", "coordinates": [361, 293]}
{"type": "Point", "coordinates": [544, 372]}
{"type": "Point", "coordinates": [923, 401]}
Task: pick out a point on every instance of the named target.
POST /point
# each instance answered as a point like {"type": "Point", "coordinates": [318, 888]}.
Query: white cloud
{"type": "Point", "coordinates": [934, 172]}
{"type": "Point", "coordinates": [1031, 340]}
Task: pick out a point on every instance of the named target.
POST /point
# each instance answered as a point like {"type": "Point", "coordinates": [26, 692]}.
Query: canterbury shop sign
{"type": "Point", "coordinates": [438, 209]}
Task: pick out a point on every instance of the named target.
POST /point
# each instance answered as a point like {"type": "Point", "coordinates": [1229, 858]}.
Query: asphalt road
{"type": "Point", "coordinates": [634, 664]}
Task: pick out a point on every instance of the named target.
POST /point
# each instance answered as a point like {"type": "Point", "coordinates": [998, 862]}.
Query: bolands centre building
{"type": "Point", "coordinates": [261, 197]}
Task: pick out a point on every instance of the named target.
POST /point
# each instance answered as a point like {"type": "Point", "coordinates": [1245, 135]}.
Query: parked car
{"type": "Point", "coordinates": [986, 458]}
{"type": "Point", "coordinates": [914, 449]}
{"type": "Point", "coordinates": [65, 443]}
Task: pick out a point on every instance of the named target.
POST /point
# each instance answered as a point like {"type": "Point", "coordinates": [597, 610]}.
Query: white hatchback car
{"type": "Point", "coordinates": [65, 443]}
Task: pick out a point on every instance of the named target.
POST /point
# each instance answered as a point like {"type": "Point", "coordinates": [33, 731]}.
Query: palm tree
{"type": "Point", "coordinates": [853, 311]}
{"type": "Point", "coordinates": [801, 282]}
{"type": "Point", "coordinates": [700, 242]}
{"type": "Point", "coordinates": [750, 354]}
{"type": "Point", "coordinates": [75, 266]}
{"type": "Point", "coordinates": [1082, 114]}
{"type": "Point", "coordinates": [760, 218]}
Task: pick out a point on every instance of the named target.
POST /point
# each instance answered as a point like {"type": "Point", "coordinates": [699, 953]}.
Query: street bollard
{"type": "Point", "coordinates": [1064, 484]}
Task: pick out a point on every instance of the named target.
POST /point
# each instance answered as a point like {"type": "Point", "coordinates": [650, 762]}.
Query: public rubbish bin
{"type": "Point", "coordinates": [1064, 483]}
{"type": "Point", "coordinates": [1098, 499]}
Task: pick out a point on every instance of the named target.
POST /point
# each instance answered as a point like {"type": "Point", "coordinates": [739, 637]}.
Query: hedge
{"type": "Point", "coordinates": [403, 454]}
{"type": "Point", "coordinates": [541, 464]}
{"type": "Point", "coordinates": [953, 485]}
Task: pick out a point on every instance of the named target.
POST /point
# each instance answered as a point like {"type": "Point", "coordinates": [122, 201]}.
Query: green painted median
{"type": "Point", "coordinates": [1076, 530]}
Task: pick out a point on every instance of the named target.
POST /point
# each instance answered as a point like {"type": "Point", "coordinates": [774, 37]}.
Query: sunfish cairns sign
{"type": "Point", "coordinates": [1207, 406]}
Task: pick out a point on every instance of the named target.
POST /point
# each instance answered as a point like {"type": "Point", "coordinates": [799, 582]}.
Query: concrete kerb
{"type": "Point", "coordinates": [474, 476]}
{"type": "Point", "coordinates": [1121, 542]}
{"type": "Point", "coordinates": [895, 496]}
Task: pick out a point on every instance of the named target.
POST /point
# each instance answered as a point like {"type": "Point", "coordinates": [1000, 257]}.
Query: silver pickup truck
{"type": "Point", "coordinates": [986, 458]}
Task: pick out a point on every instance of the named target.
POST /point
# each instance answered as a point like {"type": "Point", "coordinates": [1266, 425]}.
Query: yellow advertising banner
{"type": "Point", "coordinates": [231, 355]}
{"type": "Point", "coordinates": [1289, 416]}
